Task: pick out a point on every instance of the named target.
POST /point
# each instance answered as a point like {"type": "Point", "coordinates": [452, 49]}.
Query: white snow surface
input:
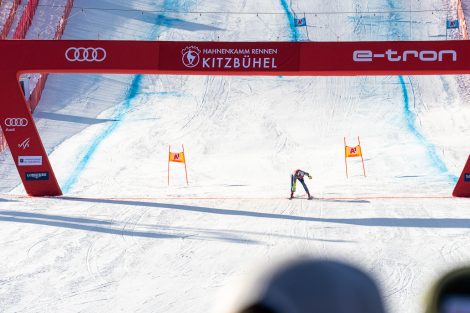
{"type": "Point", "coordinates": [122, 240]}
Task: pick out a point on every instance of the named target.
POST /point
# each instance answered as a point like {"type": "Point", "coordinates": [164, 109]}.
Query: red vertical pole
{"type": "Point", "coordinates": [18, 127]}
{"type": "Point", "coordinates": [185, 170]}
{"type": "Point", "coordinates": [169, 165]}
{"type": "Point", "coordinates": [462, 188]}
{"type": "Point", "coordinates": [363, 167]}
{"type": "Point", "coordinates": [345, 158]}
{"type": "Point", "coordinates": [362, 158]}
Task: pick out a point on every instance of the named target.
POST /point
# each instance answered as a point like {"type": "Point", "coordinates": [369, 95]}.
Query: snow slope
{"type": "Point", "coordinates": [122, 240]}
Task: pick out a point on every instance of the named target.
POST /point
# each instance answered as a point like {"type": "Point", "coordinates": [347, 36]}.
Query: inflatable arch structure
{"type": "Point", "coordinates": [195, 58]}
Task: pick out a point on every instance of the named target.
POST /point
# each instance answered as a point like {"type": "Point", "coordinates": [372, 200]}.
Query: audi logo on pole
{"type": "Point", "coordinates": [81, 54]}
{"type": "Point", "coordinates": [16, 122]}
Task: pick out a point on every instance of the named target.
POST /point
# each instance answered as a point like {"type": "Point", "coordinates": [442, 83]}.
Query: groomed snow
{"type": "Point", "coordinates": [121, 239]}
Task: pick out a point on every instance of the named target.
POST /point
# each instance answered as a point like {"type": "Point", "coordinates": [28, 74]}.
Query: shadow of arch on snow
{"type": "Point", "coordinates": [107, 227]}
{"type": "Point", "coordinates": [344, 200]}
{"type": "Point", "coordinates": [7, 200]}
{"type": "Point", "coordinates": [182, 24]}
{"type": "Point", "coordinates": [156, 17]}
{"type": "Point", "coordinates": [60, 218]}
{"type": "Point", "coordinates": [375, 222]}
{"type": "Point", "coordinates": [71, 118]}
{"type": "Point", "coordinates": [192, 208]}
{"type": "Point", "coordinates": [252, 233]}
{"type": "Point", "coordinates": [403, 222]}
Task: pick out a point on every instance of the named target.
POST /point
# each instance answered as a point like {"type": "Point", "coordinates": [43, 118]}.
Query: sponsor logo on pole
{"type": "Point", "coordinates": [25, 144]}
{"type": "Point", "coordinates": [407, 55]}
{"type": "Point", "coordinates": [30, 160]}
{"type": "Point", "coordinates": [14, 122]}
{"type": "Point", "coordinates": [466, 177]}
{"type": "Point", "coordinates": [37, 175]}
{"type": "Point", "coordinates": [81, 54]}
{"type": "Point", "coordinates": [191, 56]}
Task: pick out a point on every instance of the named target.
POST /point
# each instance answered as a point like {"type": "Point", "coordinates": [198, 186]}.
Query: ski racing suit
{"type": "Point", "coordinates": [299, 175]}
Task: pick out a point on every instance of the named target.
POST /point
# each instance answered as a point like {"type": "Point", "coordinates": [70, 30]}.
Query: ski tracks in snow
{"type": "Point", "coordinates": [457, 250]}
{"type": "Point", "coordinates": [399, 278]}
{"type": "Point", "coordinates": [92, 266]}
{"type": "Point", "coordinates": [213, 99]}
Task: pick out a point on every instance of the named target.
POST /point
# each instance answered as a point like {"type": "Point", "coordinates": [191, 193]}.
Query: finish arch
{"type": "Point", "coordinates": [195, 58]}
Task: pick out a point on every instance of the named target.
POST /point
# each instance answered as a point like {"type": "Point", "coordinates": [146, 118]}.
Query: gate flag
{"type": "Point", "coordinates": [352, 152]}
{"type": "Point", "coordinates": [300, 22]}
{"type": "Point", "coordinates": [452, 24]}
{"type": "Point", "coordinates": [177, 157]}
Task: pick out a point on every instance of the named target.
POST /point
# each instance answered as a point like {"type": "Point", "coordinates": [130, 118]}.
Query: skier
{"type": "Point", "coordinates": [299, 175]}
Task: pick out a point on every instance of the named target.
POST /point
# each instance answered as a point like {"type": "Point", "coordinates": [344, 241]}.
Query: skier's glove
{"type": "Point", "coordinates": [309, 177]}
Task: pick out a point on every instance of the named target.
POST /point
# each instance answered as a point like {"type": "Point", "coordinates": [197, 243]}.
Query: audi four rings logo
{"type": "Point", "coordinates": [82, 54]}
{"type": "Point", "coordinates": [16, 122]}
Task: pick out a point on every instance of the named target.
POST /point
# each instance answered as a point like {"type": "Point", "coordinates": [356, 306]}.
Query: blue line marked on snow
{"type": "Point", "coordinates": [134, 90]}
{"type": "Point", "coordinates": [294, 33]}
{"type": "Point", "coordinates": [408, 115]}
{"type": "Point", "coordinates": [410, 122]}
{"type": "Point", "coordinates": [122, 110]}
{"type": "Point", "coordinates": [164, 94]}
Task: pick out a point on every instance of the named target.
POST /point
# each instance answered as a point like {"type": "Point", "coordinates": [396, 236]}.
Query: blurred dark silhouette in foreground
{"type": "Point", "coordinates": [451, 293]}
{"type": "Point", "coordinates": [310, 286]}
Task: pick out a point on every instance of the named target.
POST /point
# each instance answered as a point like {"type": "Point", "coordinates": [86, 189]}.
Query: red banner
{"type": "Point", "coordinates": [229, 58]}
{"type": "Point", "coordinates": [195, 58]}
